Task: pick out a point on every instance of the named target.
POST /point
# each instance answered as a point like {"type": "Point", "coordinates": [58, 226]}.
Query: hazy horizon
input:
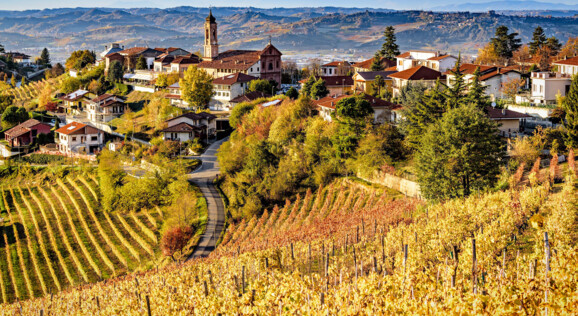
{"type": "Point", "coordinates": [126, 4]}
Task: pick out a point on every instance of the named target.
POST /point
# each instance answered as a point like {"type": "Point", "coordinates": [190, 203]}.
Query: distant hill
{"type": "Point", "coordinates": [518, 5]}
{"type": "Point", "coordinates": [294, 30]}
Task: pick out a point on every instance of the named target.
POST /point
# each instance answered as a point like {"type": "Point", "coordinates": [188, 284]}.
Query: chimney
{"type": "Point", "coordinates": [504, 112]}
{"type": "Point", "coordinates": [331, 103]}
{"type": "Point", "coordinates": [105, 47]}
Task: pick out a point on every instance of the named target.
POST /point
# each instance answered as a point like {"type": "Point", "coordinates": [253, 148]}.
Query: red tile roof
{"type": "Point", "coordinates": [469, 69]}
{"type": "Point", "coordinates": [234, 78]}
{"type": "Point", "coordinates": [496, 72]}
{"type": "Point", "coordinates": [251, 96]}
{"type": "Point", "coordinates": [233, 59]}
{"type": "Point", "coordinates": [182, 128]}
{"type": "Point", "coordinates": [403, 55]}
{"type": "Point", "coordinates": [570, 61]}
{"type": "Point", "coordinates": [333, 80]}
{"type": "Point", "coordinates": [366, 64]}
{"type": "Point", "coordinates": [186, 60]}
{"type": "Point", "coordinates": [23, 128]}
{"type": "Point", "coordinates": [440, 57]}
{"type": "Point", "coordinates": [504, 114]}
{"type": "Point", "coordinates": [71, 128]}
{"type": "Point", "coordinates": [336, 64]}
{"type": "Point", "coordinates": [196, 116]}
{"type": "Point", "coordinates": [417, 73]}
{"type": "Point", "coordinates": [133, 50]}
{"type": "Point", "coordinates": [330, 101]}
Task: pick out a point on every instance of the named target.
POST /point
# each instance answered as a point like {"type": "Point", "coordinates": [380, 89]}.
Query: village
{"type": "Point", "coordinates": [521, 98]}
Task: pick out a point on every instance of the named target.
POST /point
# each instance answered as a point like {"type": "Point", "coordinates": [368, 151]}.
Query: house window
{"type": "Point", "coordinates": [94, 138]}
{"type": "Point", "coordinates": [74, 138]}
{"type": "Point", "coordinates": [251, 69]}
{"type": "Point", "coordinates": [270, 66]}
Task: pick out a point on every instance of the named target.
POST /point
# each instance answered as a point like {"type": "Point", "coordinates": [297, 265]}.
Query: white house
{"type": "Point", "coordinates": [105, 108]}
{"type": "Point", "coordinates": [430, 59]}
{"type": "Point", "coordinates": [79, 138]}
{"type": "Point", "coordinates": [546, 85]}
{"type": "Point", "coordinates": [227, 88]}
{"type": "Point", "coordinates": [336, 68]}
{"type": "Point", "coordinates": [490, 76]}
{"type": "Point", "coordinates": [190, 126]}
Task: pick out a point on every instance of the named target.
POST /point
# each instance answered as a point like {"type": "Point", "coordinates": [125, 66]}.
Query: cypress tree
{"type": "Point", "coordinates": [389, 49]}
{"type": "Point", "coordinates": [455, 92]}
{"type": "Point", "coordinates": [307, 86]}
{"type": "Point", "coordinates": [477, 92]}
{"type": "Point", "coordinates": [538, 40]}
{"type": "Point", "coordinates": [571, 108]}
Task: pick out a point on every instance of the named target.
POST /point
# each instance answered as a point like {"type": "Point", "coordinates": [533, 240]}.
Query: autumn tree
{"type": "Point", "coordinates": [161, 80]}
{"type": "Point", "coordinates": [261, 85]}
{"type": "Point", "coordinates": [45, 96]}
{"type": "Point", "coordinates": [512, 86]}
{"type": "Point", "coordinates": [80, 59]}
{"type": "Point", "coordinates": [488, 55]}
{"type": "Point", "coordinates": [570, 49]}
{"type": "Point", "coordinates": [197, 87]}
{"type": "Point", "coordinates": [522, 54]}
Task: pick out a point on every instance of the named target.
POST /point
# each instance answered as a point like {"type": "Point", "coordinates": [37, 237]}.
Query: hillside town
{"type": "Point", "coordinates": [163, 180]}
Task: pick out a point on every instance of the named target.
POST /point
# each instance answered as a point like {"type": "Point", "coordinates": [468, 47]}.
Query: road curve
{"type": "Point", "coordinates": [203, 177]}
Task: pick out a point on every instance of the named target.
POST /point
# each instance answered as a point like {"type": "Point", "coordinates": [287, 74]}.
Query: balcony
{"type": "Point", "coordinates": [550, 75]}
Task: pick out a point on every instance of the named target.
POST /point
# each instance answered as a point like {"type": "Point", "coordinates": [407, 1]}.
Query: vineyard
{"type": "Point", "coordinates": [350, 249]}
{"type": "Point", "coordinates": [31, 90]}
{"type": "Point", "coordinates": [54, 237]}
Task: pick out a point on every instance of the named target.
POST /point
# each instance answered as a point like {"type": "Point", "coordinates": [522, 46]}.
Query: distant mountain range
{"type": "Point", "coordinates": [325, 30]}
{"type": "Point", "coordinates": [520, 5]}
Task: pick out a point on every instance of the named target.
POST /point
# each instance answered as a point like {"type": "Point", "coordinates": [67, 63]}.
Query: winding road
{"type": "Point", "coordinates": [203, 177]}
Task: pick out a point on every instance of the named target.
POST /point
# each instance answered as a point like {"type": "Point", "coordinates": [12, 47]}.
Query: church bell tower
{"type": "Point", "coordinates": [211, 43]}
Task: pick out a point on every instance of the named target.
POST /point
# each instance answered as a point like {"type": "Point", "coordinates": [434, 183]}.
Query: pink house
{"type": "Point", "coordinates": [26, 133]}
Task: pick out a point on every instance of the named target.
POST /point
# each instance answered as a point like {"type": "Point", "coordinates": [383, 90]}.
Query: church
{"type": "Point", "coordinates": [264, 64]}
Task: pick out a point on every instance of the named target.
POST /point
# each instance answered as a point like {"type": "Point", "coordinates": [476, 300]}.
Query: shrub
{"type": "Point", "coordinates": [175, 239]}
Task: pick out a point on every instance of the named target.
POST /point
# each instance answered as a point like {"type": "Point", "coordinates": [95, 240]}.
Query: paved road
{"type": "Point", "coordinates": [203, 177]}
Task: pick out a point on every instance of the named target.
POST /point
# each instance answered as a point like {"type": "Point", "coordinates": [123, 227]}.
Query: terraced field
{"type": "Point", "coordinates": [53, 237]}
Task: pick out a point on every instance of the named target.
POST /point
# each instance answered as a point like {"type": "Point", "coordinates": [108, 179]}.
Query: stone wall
{"type": "Point", "coordinates": [407, 187]}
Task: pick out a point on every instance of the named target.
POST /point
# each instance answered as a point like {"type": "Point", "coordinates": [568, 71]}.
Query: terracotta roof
{"type": "Point", "coordinates": [392, 68]}
{"type": "Point", "coordinates": [164, 59]}
{"type": "Point", "coordinates": [251, 96]}
{"type": "Point", "coordinates": [269, 46]}
{"type": "Point", "coordinates": [23, 128]}
{"type": "Point", "coordinates": [469, 69]}
{"type": "Point", "coordinates": [167, 49]}
{"type": "Point", "coordinates": [496, 72]}
{"type": "Point", "coordinates": [182, 128]}
{"type": "Point", "coordinates": [366, 64]}
{"type": "Point", "coordinates": [370, 75]}
{"type": "Point", "coordinates": [570, 61]}
{"type": "Point", "coordinates": [196, 116]}
{"type": "Point", "coordinates": [102, 97]}
{"type": "Point", "coordinates": [504, 114]}
{"type": "Point", "coordinates": [234, 78]}
{"type": "Point", "coordinates": [185, 60]}
{"type": "Point", "coordinates": [417, 73]}
{"type": "Point", "coordinates": [403, 55]}
{"type": "Point", "coordinates": [133, 50]}
{"type": "Point", "coordinates": [233, 59]}
{"type": "Point", "coordinates": [336, 64]}
{"type": "Point", "coordinates": [441, 57]}
{"type": "Point", "coordinates": [333, 80]}
{"type": "Point", "coordinates": [71, 128]}
{"type": "Point", "coordinates": [173, 96]}
{"type": "Point", "coordinates": [331, 101]}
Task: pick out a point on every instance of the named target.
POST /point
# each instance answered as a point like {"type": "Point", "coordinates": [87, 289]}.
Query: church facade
{"type": "Point", "coordinates": [264, 64]}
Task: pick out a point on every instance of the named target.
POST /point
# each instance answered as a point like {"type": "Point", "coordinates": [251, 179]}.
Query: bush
{"type": "Point", "coordinates": [175, 239]}
{"type": "Point", "coordinates": [43, 159]}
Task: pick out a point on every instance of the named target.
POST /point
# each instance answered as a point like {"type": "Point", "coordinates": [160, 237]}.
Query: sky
{"type": "Point", "coordinates": [390, 4]}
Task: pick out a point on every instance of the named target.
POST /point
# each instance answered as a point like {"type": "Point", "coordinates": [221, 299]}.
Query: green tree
{"type": "Point", "coordinates": [476, 94]}
{"type": "Point", "coordinates": [378, 86]}
{"type": "Point", "coordinates": [421, 113]}
{"type": "Point", "coordinates": [69, 85]}
{"type": "Point", "coordinates": [197, 87]}
{"type": "Point", "coordinates": [505, 43]}
{"type": "Point", "coordinates": [319, 90]}
{"type": "Point", "coordinates": [571, 109]}
{"type": "Point", "coordinates": [141, 63]}
{"type": "Point", "coordinates": [457, 87]}
{"type": "Point", "coordinates": [238, 112]}
{"type": "Point", "coordinates": [292, 93]}
{"type": "Point", "coordinates": [352, 114]}
{"type": "Point", "coordinates": [382, 146]}
{"type": "Point", "coordinates": [554, 45]}
{"type": "Point", "coordinates": [5, 102]}
{"type": "Point", "coordinates": [115, 72]}
{"type": "Point", "coordinates": [13, 116]}
{"type": "Point", "coordinates": [389, 49]}
{"type": "Point", "coordinates": [44, 57]}
{"type": "Point", "coordinates": [376, 64]}
{"type": "Point", "coordinates": [458, 154]}
{"type": "Point", "coordinates": [261, 85]}
{"type": "Point", "coordinates": [538, 40]}
{"type": "Point", "coordinates": [80, 59]}
{"type": "Point", "coordinates": [306, 90]}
